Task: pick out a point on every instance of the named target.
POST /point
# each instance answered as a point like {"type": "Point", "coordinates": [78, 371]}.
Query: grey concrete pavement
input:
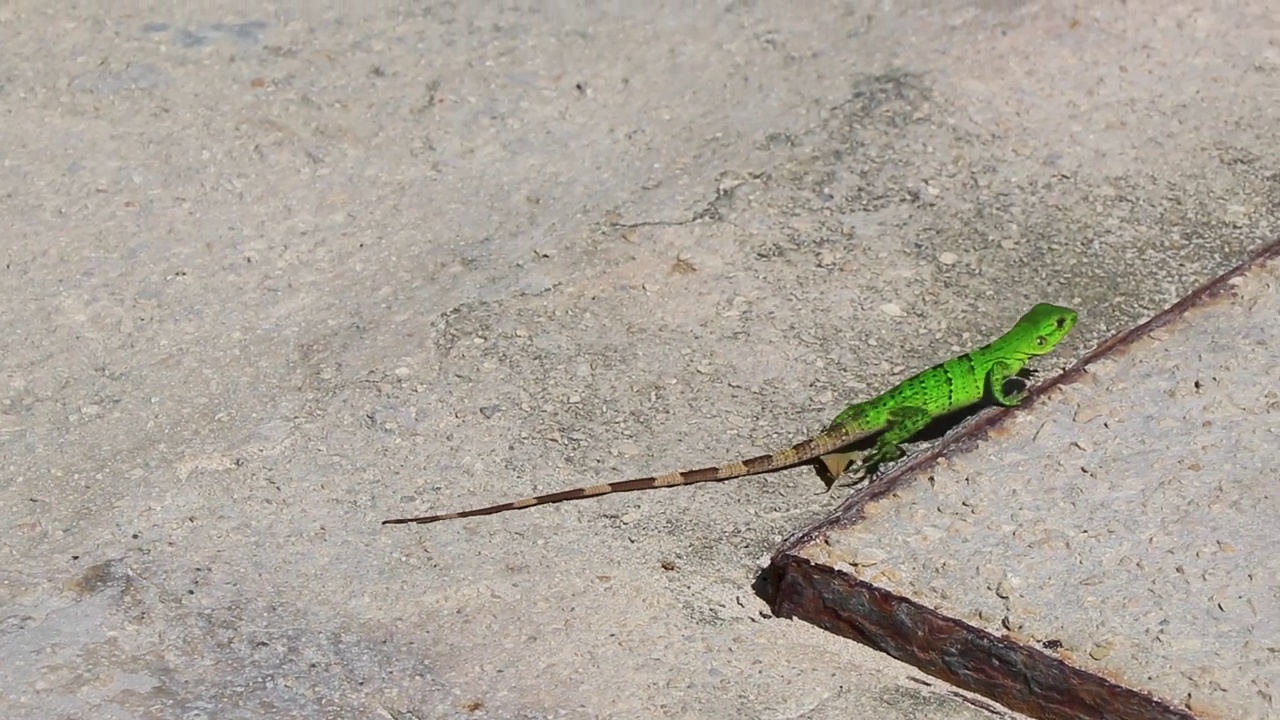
{"type": "Point", "coordinates": [271, 276]}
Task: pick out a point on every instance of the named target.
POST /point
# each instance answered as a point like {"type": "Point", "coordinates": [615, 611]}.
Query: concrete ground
{"type": "Point", "coordinates": [1104, 550]}
{"type": "Point", "coordinates": [272, 276]}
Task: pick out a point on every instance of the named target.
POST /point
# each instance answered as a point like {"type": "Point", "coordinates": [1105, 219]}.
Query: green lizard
{"type": "Point", "coordinates": [897, 415]}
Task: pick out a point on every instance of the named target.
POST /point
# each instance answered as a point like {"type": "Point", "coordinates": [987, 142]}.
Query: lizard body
{"type": "Point", "coordinates": [896, 415]}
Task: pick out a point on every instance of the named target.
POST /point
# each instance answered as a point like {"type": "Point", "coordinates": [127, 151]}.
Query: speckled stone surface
{"type": "Point", "coordinates": [271, 273]}
{"type": "Point", "coordinates": [1127, 521]}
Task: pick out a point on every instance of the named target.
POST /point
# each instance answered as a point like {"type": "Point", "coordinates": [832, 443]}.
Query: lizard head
{"type": "Point", "coordinates": [1043, 327]}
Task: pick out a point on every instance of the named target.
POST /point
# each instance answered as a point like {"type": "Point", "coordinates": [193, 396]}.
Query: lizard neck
{"type": "Point", "coordinates": [1005, 350]}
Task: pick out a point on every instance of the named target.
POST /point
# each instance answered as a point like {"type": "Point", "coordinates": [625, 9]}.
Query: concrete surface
{"type": "Point", "coordinates": [272, 276]}
{"type": "Point", "coordinates": [1123, 523]}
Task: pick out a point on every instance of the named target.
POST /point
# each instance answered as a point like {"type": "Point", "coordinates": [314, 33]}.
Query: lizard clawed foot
{"type": "Point", "coordinates": [832, 466]}
{"type": "Point", "coordinates": [874, 460]}
{"type": "Point", "coordinates": [837, 466]}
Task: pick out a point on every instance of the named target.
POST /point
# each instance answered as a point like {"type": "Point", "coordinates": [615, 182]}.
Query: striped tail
{"type": "Point", "coordinates": [833, 439]}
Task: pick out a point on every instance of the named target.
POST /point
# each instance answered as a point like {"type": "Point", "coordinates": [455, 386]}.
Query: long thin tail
{"type": "Point", "coordinates": [833, 439]}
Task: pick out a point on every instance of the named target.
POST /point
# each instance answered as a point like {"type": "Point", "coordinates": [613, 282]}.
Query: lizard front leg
{"type": "Point", "coordinates": [1001, 372]}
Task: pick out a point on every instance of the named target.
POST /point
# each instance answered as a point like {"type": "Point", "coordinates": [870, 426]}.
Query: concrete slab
{"type": "Point", "coordinates": [273, 274]}
{"type": "Point", "coordinates": [1104, 551]}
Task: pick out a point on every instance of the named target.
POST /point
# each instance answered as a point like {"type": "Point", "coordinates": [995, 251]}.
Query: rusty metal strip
{"type": "Point", "coordinates": [1019, 677]}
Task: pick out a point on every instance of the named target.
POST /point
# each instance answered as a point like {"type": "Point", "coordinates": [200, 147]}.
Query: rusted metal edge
{"type": "Point", "coordinates": [1020, 677]}
{"type": "Point", "coordinates": [1015, 675]}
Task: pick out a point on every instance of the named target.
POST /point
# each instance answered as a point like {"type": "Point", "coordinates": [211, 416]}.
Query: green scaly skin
{"type": "Point", "coordinates": [896, 415]}
{"type": "Point", "coordinates": [953, 385]}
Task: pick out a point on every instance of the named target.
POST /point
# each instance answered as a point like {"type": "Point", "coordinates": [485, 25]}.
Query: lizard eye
{"type": "Point", "coordinates": [1040, 341]}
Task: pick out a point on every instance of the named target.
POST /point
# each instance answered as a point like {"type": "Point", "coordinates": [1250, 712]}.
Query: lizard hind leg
{"type": "Point", "coordinates": [904, 422]}
{"type": "Point", "coordinates": [833, 465]}
{"type": "Point", "coordinates": [837, 465]}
